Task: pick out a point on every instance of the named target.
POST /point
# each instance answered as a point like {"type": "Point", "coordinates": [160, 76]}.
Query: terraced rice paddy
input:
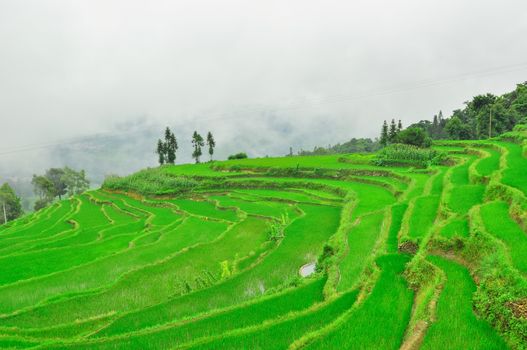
{"type": "Point", "coordinates": [398, 252]}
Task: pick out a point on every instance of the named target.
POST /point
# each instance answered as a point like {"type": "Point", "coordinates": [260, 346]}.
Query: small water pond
{"type": "Point", "coordinates": [307, 269]}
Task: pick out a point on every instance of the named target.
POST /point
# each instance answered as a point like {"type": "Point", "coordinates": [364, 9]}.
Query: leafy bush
{"type": "Point", "coordinates": [361, 145]}
{"type": "Point", "coordinates": [276, 229]}
{"type": "Point", "coordinates": [400, 154]}
{"type": "Point", "coordinates": [520, 127]}
{"type": "Point", "coordinates": [241, 155]}
{"type": "Point", "coordinates": [323, 260]}
{"type": "Point", "coordinates": [150, 181]}
{"type": "Point", "coordinates": [414, 136]}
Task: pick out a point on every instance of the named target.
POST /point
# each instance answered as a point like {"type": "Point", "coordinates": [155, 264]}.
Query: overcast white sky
{"type": "Point", "coordinates": [267, 73]}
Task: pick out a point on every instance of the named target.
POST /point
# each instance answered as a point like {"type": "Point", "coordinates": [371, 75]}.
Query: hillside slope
{"type": "Point", "coordinates": [209, 256]}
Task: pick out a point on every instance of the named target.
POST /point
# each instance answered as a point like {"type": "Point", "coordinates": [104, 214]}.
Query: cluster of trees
{"type": "Point", "coordinates": [390, 134]}
{"type": "Point", "coordinates": [166, 150]}
{"type": "Point", "coordinates": [355, 145]}
{"type": "Point", "coordinates": [198, 143]}
{"type": "Point", "coordinates": [10, 206]}
{"type": "Point", "coordinates": [413, 135]}
{"type": "Point", "coordinates": [436, 128]}
{"type": "Point", "coordinates": [484, 116]}
{"type": "Point", "coordinates": [58, 182]}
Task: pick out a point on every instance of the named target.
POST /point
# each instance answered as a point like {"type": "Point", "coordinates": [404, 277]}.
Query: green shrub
{"type": "Point", "coordinates": [418, 272]}
{"type": "Point", "coordinates": [414, 136]}
{"type": "Point", "coordinates": [520, 127]}
{"type": "Point", "coordinates": [323, 260]}
{"type": "Point", "coordinates": [241, 155]}
{"type": "Point", "coordinates": [150, 181]}
{"type": "Point", "coordinates": [400, 154]}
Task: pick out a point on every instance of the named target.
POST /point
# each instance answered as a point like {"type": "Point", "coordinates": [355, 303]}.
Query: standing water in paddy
{"type": "Point", "coordinates": [307, 269]}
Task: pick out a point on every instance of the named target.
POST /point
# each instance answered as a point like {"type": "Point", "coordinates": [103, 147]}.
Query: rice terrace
{"type": "Point", "coordinates": [263, 175]}
{"type": "Point", "coordinates": [208, 256]}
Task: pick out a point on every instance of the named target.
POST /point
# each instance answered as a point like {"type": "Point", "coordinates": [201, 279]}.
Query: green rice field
{"type": "Point", "coordinates": [311, 252]}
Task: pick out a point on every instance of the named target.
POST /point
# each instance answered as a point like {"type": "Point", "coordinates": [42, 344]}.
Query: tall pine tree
{"type": "Point", "coordinates": [393, 131]}
{"type": "Point", "coordinates": [197, 143]}
{"type": "Point", "coordinates": [171, 148]}
{"type": "Point", "coordinates": [166, 150]}
{"type": "Point", "coordinates": [161, 151]}
{"type": "Point", "coordinates": [211, 143]}
{"type": "Point", "coordinates": [384, 134]}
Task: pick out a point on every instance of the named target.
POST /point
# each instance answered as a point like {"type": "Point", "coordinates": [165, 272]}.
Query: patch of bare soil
{"type": "Point", "coordinates": [417, 336]}
{"type": "Point", "coordinates": [518, 308]}
{"type": "Point", "coordinates": [408, 247]}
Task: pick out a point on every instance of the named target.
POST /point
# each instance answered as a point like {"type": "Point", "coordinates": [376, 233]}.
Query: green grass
{"type": "Point", "coordinates": [281, 334]}
{"type": "Point", "coordinates": [495, 216]}
{"type": "Point", "coordinates": [320, 194]}
{"type": "Point", "coordinates": [154, 283]}
{"type": "Point", "coordinates": [15, 343]}
{"type": "Point", "coordinates": [204, 208]}
{"type": "Point", "coordinates": [488, 165]}
{"type": "Point", "coordinates": [209, 255]}
{"type": "Point", "coordinates": [380, 321]}
{"type": "Point", "coordinates": [437, 184]}
{"type": "Point", "coordinates": [50, 225]}
{"type": "Point", "coordinates": [361, 241]}
{"type": "Point", "coordinates": [302, 243]}
{"type": "Point", "coordinates": [514, 175]}
{"type": "Point", "coordinates": [325, 161]}
{"type": "Point", "coordinates": [464, 197]}
{"type": "Point", "coordinates": [281, 195]}
{"type": "Point", "coordinates": [105, 271]}
{"type": "Point", "coordinates": [456, 326]}
{"type": "Point", "coordinates": [423, 216]}
{"type": "Point", "coordinates": [457, 227]}
{"type": "Point", "coordinates": [369, 198]}
{"type": "Point", "coordinates": [90, 215]}
{"type": "Point", "coordinates": [460, 172]}
{"type": "Point", "coordinates": [398, 211]}
{"type": "Point", "coordinates": [157, 213]}
{"type": "Point", "coordinates": [264, 208]}
{"type": "Point", "coordinates": [30, 265]}
{"type": "Point", "coordinates": [218, 322]}
{"type": "Point", "coordinates": [28, 221]}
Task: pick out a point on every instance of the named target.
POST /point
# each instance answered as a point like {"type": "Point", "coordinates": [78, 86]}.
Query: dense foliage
{"type": "Point", "coordinates": [485, 116]}
{"type": "Point", "coordinates": [355, 145]}
{"type": "Point", "coordinates": [482, 117]}
{"type": "Point", "coordinates": [166, 150]}
{"type": "Point", "coordinates": [241, 155]}
{"type": "Point", "coordinates": [408, 155]}
{"type": "Point", "coordinates": [413, 136]}
{"type": "Point", "coordinates": [150, 181]}
{"type": "Point", "coordinates": [10, 207]}
{"type": "Point", "coordinates": [435, 128]}
{"type": "Point", "coordinates": [57, 182]}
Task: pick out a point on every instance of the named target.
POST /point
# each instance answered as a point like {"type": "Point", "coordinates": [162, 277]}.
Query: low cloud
{"type": "Point", "coordinates": [105, 77]}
